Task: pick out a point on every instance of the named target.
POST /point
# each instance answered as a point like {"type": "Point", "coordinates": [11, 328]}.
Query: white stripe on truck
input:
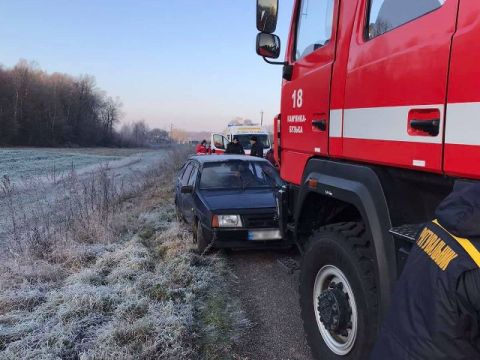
{"type": "Point", "coordinates": [336, 123]}
{"type": "Point", "coordinates": [463, 124]}
{"type": "Point", "coordinates": [386, 123]}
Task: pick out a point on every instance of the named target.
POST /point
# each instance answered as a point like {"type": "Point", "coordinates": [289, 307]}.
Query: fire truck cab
{"type": "Point", "coordinates": [379, 121]}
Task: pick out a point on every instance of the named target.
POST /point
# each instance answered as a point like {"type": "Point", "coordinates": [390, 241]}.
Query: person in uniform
{"type": "Point", "coordinates": [435, 309]}
{"type": "Point", "coordinates": [257, 148]}
{"type": "Point", "coordinates": [235, 147]}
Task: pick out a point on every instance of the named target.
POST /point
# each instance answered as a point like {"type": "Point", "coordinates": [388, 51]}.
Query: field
{"type": "Point", "coordinates": [33, 180]}
{"type": "Point", "coordinates": [95, 265]}
{"type": "Point", "coordinates": [24, 163]}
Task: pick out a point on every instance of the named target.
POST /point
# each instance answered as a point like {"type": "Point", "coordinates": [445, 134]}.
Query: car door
{"type": "Point", "coordinates": [178, 185]}
{"type": "Point", "coordinates": [397, 82]}
{"type": "Point", "coordinates": [187, 198]}
{"type": "Point", "coordinates": [219, 143]}
{"type": "Point", "coordinates": [306, 97]}
{"type": "Point", "coordinates": [183, 181]}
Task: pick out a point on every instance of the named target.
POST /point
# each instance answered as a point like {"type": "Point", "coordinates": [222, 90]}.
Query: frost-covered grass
{"type": "Point", "coordinates": [119, 281]}
{"type": "Point", "coordinates": [24, 198]}
{"type": "Point", "coordinates": [24, 163]}
{"type": "Point", "coordinates": [20, 163]}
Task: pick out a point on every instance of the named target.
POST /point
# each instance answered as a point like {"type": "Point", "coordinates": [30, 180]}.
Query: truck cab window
{"type": "Point", "coordinates": [314, 26]}
{"type": "Point", "coordinates": [385, 15]}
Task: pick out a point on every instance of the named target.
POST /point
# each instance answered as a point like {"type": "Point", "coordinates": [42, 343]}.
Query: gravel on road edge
{"type": "Point", "coordinates": [270, 297]}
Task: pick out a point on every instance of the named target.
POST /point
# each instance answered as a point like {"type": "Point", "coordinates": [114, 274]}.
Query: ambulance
{"type": "Point", "coordinates": [243, 132]}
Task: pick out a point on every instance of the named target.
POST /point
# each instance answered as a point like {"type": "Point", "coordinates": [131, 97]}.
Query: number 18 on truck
{"type": "Point", "coordinates": [379, 121]}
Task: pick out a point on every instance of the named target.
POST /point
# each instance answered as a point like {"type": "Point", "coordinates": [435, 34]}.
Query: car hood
{"type": "Point", "coordinates": [238, 199]}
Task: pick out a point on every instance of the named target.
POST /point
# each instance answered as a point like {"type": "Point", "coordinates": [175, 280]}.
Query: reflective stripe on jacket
{"type": "Point", "coordinates": [429, 318]}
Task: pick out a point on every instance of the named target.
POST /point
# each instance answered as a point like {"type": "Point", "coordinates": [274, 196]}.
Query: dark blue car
{"type": "Point", "coordinates": [229, 201]}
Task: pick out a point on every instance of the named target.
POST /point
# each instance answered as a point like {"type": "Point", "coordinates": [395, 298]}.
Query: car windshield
{"type": "Point", "coordinates": [245, 140]}
{"type": "Point", "coordinates": [239, 174]}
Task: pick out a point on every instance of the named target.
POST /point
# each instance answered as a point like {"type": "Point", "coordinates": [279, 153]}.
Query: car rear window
{"type": "Point", "coordinates": [238, 174]}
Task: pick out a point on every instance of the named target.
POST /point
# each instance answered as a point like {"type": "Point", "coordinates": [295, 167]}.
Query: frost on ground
{"type": "Point", "coordinates": [122, 282]}
{"type": "Point", "coordinates": [24, 163]}
{"type": "Point", "coordinates": [33, 187]}
{"type": "Point", "coordinates": [20, 163]}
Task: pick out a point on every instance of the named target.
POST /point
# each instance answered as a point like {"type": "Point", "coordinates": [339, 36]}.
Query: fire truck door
{"type": "Point", "coordinates": [397, 82]}
{"type": "Point", "coordinates": [462, 133]}
{"type": "Point", "coordinates": [306, 98]}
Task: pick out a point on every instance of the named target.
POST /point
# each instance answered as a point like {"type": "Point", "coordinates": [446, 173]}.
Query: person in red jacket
{"type": "Point", "coordinates": [201, 149]}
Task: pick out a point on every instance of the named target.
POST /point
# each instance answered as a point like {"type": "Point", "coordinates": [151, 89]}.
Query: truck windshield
{"type": "Point", "coordinates": [238, 174]}
{"type": "Point", "coordinates": [245, 140]}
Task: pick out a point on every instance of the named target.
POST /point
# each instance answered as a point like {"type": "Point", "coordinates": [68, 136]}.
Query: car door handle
{"type": "Point", "coordinates": [320, 124]}
{"type": "Point", "coordinates": [432, 127]}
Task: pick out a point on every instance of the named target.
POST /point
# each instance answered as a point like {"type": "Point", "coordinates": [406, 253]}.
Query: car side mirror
{"type": "Point", "coordinates": [186, 189]}
{"type": "Point", "coordinates": [267, 14]}
{"type": "Point", "coordinates": [268, 45]}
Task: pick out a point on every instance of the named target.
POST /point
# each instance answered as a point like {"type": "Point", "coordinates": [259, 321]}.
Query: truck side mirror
{"type": "Point", "coordinates": [267, 14]}
{"type": "Point", "coordinates": [268, 45]}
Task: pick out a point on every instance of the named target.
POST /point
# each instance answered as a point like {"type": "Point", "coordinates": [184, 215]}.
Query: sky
{"type": "Point", "coordinates": [190, 63]}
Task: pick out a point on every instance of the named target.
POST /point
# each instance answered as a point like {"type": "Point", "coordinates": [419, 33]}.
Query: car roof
{"type": "Point", "coordinates": [203, 159]}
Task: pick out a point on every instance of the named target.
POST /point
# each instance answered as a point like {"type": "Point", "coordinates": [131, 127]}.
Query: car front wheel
{"type": "Point", "coordinates": [178, 214]}
{"type": "Point", "coordinates": [203, 242]}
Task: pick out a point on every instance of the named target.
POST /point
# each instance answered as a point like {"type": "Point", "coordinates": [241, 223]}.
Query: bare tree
{"type": "Point", "coordinates": [37, 108]}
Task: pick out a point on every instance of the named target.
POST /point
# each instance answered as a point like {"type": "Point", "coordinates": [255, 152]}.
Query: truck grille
{"type": "Point", "coordinates": [256, 221]}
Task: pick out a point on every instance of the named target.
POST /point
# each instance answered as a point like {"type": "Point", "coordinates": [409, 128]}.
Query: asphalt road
{"type": "Point", "coordinates": [269, 294]}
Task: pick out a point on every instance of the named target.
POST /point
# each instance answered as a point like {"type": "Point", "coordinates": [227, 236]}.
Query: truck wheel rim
{"type": "Point", "coordinates": [329, 277]}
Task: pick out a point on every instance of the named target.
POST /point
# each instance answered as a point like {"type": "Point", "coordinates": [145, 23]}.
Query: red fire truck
{"type": "Point", "coordinates": [379, 121]}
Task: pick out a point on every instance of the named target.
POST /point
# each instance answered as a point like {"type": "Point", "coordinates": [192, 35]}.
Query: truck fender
{"type": "Point", "coordinates": [357, 185]}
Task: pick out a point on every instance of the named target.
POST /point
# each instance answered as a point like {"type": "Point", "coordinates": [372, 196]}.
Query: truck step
{"type": "Point", "coordinates": [407, 232]}
{"type": "Point", "coordinates": [290, 265]}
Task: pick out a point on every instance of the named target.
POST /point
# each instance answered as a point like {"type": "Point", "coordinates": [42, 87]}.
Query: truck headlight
{"type": "Point", "coordinates": [226, 221]}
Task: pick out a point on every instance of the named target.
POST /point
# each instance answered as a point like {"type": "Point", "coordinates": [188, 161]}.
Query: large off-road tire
{"type": "Point", "coordinates": [339, 253]}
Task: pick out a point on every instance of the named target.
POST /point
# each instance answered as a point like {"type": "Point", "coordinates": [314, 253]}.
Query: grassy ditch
{"type": "Point", "coordinates": [118, 281]}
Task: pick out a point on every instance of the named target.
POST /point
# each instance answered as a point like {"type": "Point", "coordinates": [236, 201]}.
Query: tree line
{"type": "Point", "coordinates": [139, 134]}
{"type": "Point", "coordinates": [41, 109]}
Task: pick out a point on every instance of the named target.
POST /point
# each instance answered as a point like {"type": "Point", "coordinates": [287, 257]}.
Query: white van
{"type": "Point", "coordinates": [219, 142]}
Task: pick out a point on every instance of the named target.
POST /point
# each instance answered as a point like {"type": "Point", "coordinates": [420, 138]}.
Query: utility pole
{"type": "Point", "coordinates": [261, 118]}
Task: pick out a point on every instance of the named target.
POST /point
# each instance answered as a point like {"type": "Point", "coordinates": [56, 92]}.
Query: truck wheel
{"type": "Point", "coordinates": [338, 293]}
